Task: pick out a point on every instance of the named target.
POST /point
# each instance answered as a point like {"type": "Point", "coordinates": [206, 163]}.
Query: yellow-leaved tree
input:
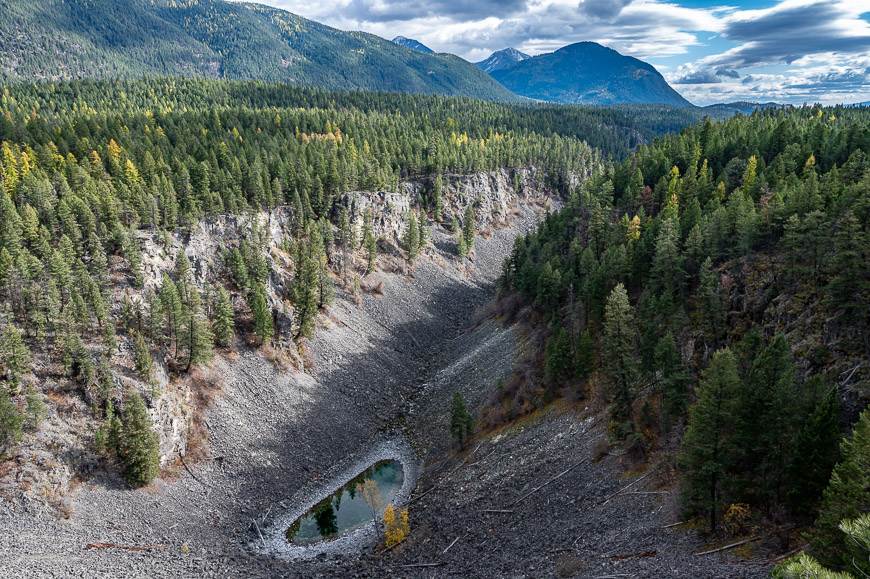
{"type": "Point", "coordinates": [396, 528]}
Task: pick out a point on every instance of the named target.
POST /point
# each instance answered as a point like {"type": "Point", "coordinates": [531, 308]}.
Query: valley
{"type": "Point", "coordinates": [281, 297]}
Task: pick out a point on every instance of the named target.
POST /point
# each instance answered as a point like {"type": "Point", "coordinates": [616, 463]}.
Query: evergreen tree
{"type": "Point", "coordinates": [707, 452]}
{"type": "Point", "coordinates": [173, 310]}
{"type": "Point", "coordinates": [138, 445]}
{"type": "Point", "coordinates": [14, 354]}
{"type": "Point", "coordinates": [709, 304]}
{"type": "Point", "coordinates": [223, 324]}
{"type": "Point", "coordinates": [198, 335]}
{"type": "Point", "coordinates": [469, 227]}
{"type": "Point", "coordinates": [36, 409]}
{"type": "Point", "coordinates": [850, 281]}
{"type": "Point", "coordinates": [370, 242]}
{"type": "Point", "coordinates": [461, 422]}
{"type": "Point", "coordinates": [10, 421]}
{"type": "Point", "coordinates": [765, 405]}
{"type": "Point", "coordinates": [815, 448]}
{"type": "Point", "coordinates": [437, 201]}
{"type": "Point", "coordinates": [846, 497]}
{"type": "Point", "coordinates": [412, 238]}
{"type": "Point", "coordinates": [585, 359]}
{"type": "Point", "coordinates": [306, 291]}
{"type": "Point", "coordinates": [559, 358]}
{"type": "Point", "coordinates": [264, 329]}
{"type": "Point", "coordinates": [142, 359]}
{"type": "Point", "coordinates": [673, 379]}
{"type": "Point", "coordinates": [620, 343]}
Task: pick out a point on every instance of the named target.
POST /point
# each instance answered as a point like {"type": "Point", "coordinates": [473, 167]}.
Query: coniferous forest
{"type": "Point", "coordinates": [713, 289]}
{"type": "Point", "coordinates": [708, 285]}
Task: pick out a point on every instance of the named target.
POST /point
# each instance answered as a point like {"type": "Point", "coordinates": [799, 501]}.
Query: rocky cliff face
{"type": "Point", "coordinates": [172, 402]}
{"type": "Point", "coordinates": [272, 429]}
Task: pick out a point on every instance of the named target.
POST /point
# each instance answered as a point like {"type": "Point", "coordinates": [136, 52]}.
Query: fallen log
{"type": "Point", "coordinates": [555, 478]}
{"type": "Point", "coordinates": [434, 486]}
{"type": "Point", "coordinates": [675, 524]}
{"type": "Point", "coordinates": [625, 488]}
{"type": "Point", "coordinates": [633, 555]}
{"type": "Point", "coordinates": [423, 564]}
{"type": "Point", "coordinates": [788, 554]}
{"type": "Point", "coordinates": [497, 511]}
{"type": "Point", "coordinates": [256, 526]}
{"type": "Point", "coordinates": [133, 548]}
{"type": "Point", "coordinates": [726, 547]}
{"type": "Point", "coordinates": [444, 552]}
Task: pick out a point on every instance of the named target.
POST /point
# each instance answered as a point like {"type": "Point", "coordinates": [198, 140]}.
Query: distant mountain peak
{"type": "Point", "coordinates": [217, 39]}
{"type": "Point", "coordinates": [412, 44]}
{"type": "Point", "coordinates": [588, 73]}
{"type": "Point", "coordinates": [500, 59]}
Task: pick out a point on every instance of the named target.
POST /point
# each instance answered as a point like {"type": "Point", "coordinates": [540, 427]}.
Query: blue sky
{"type": "Point", "coordinates": [780, 50]}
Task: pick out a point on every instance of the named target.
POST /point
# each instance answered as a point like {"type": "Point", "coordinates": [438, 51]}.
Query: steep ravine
{"type": "Point", "coordinates": [272, 432]}
{"type": "Point", "coordinates": [379, 370]}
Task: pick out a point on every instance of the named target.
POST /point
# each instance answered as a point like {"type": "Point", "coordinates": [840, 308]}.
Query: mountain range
{"type": "Point", "coordinates": [67, 39]}
{"type": "Point", "coordinates": [412, 44]}
{"type": "Point", "coordinates": [502, 59]}
{"type": "Point", "coordinates": [588, 73]}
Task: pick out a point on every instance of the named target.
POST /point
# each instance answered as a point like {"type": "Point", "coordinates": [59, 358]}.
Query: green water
{"type": "Point", "coordinates": [346, 508]}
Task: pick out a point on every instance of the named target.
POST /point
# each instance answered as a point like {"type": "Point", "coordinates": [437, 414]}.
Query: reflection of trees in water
{"type": "Point", "coordinates": [367, 485]}
{"type": "Point", "coordinates": [324, 516]}
{"type": "Point", "coordinates": [293, 529]}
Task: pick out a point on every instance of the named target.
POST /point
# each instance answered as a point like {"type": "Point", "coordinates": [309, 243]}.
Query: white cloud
{"type": "Point", "coordinates": [790, 31]}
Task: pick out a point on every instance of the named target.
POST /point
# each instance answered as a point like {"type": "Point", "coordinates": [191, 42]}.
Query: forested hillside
{"type": "Point", "coordinates": [615, 131]}
{"type": "Point", "coordinates": [104, 184]}
{"type": "Point", "coordinates": [72, 39]}
{"type": "Point", "coordinates": [714, 290]}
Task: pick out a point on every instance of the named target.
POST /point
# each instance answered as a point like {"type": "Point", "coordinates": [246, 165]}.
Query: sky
{"type": "Point", "coordinates": [795, 51]}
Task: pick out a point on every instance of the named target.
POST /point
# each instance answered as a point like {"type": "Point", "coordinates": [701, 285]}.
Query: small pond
{"type": "Point", "coordinates": [358, 502]}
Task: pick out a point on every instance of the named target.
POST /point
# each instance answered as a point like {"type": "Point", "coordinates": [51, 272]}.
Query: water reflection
{"type": "Point", "coordinates": [356, 503]}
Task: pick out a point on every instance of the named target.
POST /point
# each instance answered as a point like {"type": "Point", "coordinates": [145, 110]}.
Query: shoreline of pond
{"type": "Point", "coordinates": [274, 541]}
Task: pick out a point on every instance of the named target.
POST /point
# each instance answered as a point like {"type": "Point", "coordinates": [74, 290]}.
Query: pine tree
{"type": "Point", "coordinates": [10, 421]}
{"type": "Point", "coordinates": [846, 497]}
{"type": "Point", "coordinates": [673, 378]}
{"type": "Point", "coordinates": [306, 291]}
{"type": "Point", "coordinates": [709, 304]}
{"type": "Point", "coordinates": [173, 310]}
{"type": "Point", "coordinates": [668, 273]}
{"type": "Point", "coordinates": [765, 430]}
{"type": "Point", "coordinates": [815, 448]}
{"type": "Point", "coordinates": [142, 359]}
{"type": "Point", "coordinates": [319, 254]}
{"type": "Point", "coordinates": [437, 201]}
{"type": "Point", "coordinates": [620, 343]}
{"type": "Point", "coordinates": [223, 324]}
{"type": "Point", "coordinates": [558, 358]}
{"type": "Point", "coordinates": [370, 242]}
{"type": "Point", "coordinates": [585, 357]}
{"type": "Point", "coordinates": [412, 238]}
{"type": "Point", "coordinates": [36, 409]}
{"type": "Point", "coordinates": [264, 329]}
{"type": "Point", "coordinates": [469, 227]}
{"type": "Point", "coordinates": [198, 336]}
{"type": "Point", "coordinates": [707, 452]}
{"type": "Point", "coordinates": [14, 354]}
{"type": "Point", "coordinates": [461, 422]}
{"type": "Point", "coordinates": [138, 445]}
{"type": "Point", "coordinates": [850, 281]}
